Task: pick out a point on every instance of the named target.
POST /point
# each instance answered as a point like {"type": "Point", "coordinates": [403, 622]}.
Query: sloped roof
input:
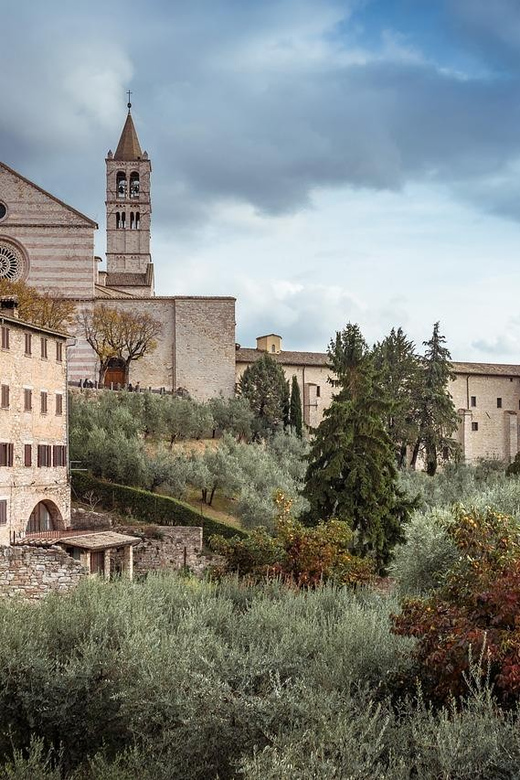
{"type": "Point", "coordinates": [128, 147]}
{"type": "Point", "coordinates": [125, 279]}
{"type": "Point", "coordinates": [49, 195]}
{"type": "Point", "coordinates": [101, 540]}
{"type": "Point", "coordinates": [487, 369]}
{"type": "Point", "coordinates": [247, 355]}
{"type": "Point", "coordinates": [107, 292]}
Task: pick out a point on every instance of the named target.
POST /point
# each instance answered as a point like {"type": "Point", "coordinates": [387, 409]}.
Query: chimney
{"type": "Point", "coordinates": [9, 306]}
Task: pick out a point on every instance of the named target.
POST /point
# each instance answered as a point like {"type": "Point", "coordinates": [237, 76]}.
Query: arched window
{"type": "Point", "coordinates": [137, 220]}
{"type": "Point", "coordinates": [123, 219]}
{"type": "Point", "coordinates": [134, 185]}
{"type": "Point", "coordinates": [118, 220]}
{"type": "Point", "coordinates": [121, 184]}
{"type": "Point", "coordinates": [131, 220]}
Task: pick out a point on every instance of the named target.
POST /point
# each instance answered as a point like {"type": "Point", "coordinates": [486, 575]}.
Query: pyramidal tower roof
{"type": "Point", "coordinates": [128, 147]}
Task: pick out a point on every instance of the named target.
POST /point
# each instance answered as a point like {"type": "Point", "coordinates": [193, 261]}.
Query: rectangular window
{"type": "Point", "coordinates": [27, 400]}
{"type": "Point", "coordinates": [474, 426]}
{"type": "Point", "coordinates": [5, 337]}
{"type": "Point", "coordinates": [59, 403]}
{"type": "Point", "coordinates": [27, 455]}
{"type": "Point", "coordinates": [28, 344]}
{"type": "Point", "coordinates": [59, 352]}
{"type": "Point", "coordinates": [6, 454]}
{"type": "Point", "coordinates": [4, 396]}
{"type": "Point", "coordinates": [44, 455]}
{"type": "Point", "coordinates": [499, 403]}
{"type": "Point", "coordinates": [473, 400]}
{"type": "Point", "coordinates": [44, 347]}
{"type": "Point", "coordinates": [3, 511]}
{"type": "Point", "coordinates": [59, 455]}
{"type": "Point", "coordinates": [43, 402]}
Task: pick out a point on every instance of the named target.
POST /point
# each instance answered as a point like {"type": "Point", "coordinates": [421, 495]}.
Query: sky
{"type": "Point", "coordinates": [323, 161]}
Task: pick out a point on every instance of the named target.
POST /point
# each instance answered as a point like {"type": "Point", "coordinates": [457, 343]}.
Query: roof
{"type": "Point", "coordinates": [247, 355]}
{"type": "Point", "coordinates": [100, 540]}
{"type": "Point", "coordinates": [487, 369]}
{"type": "Point", "coordinates": [107, 292]}
{"type": "Point", "coordinates": [267, 335]}
{"type": "Point", "coordinates": [23, 324]}
{"type": "Point", "coordinates": [128, 147]}
{"type": "Point", "coordinates": [49, 195]}
{"type": "Point", "coordinates": [125, 279]}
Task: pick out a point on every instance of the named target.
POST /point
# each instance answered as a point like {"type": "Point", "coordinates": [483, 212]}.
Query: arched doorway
{"type": "Point", "coordinates": [44, 517]}
{"type": "Point", "coordinates": [115, 373]}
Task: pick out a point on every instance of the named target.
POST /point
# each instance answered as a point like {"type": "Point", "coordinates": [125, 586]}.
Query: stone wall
{"type": "Point", "coordinates": [33, 572]}
{"type": "Point", "coordinates": [164, 548]}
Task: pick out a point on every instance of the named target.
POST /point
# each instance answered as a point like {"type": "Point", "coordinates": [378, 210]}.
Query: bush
{"type": "Point", "coordinates": [147, 507]}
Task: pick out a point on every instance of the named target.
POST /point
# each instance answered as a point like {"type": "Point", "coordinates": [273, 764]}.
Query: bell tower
{"type": "Point", "coordinates": [128, 204]}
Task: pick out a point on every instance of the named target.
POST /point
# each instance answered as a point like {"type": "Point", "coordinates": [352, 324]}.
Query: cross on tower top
{"type": "Point", "coordinates": [129, 104]}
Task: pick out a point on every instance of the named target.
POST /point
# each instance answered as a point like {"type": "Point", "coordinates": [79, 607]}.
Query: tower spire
{"type": "Point", "coordinates": [129, 104]}
{"type": "Point", "coordinates": [128, 147]}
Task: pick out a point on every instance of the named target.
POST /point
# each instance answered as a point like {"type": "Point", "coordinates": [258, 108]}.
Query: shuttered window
{"type": "Point", "coordinates": [6, 454]}
{"type": "Point", "coordinates": [5, 337]}
{"type": "Point", "coordinates": [59, 351]}
{"type": "Point", "coordinates": [3, 511]}
{"type": "Point", "coordinates": [43, 347]}
{"type": "Point", "coordinates": [44, 455]}
{"type": "Point", "coordinates": [4, 396]}
{"type": "Point", "coordinates": [43, 402]}
{"type": "Point", "coordinates": [27, 400]}
{"type": "Point", "coordinates": [27, 455]}
{"type": "Point", "coordinates": [28, 344]}
{"type": "Point", "coordinates": [59, 403]}
{"type": "Point", "coordinates": [59, 455]}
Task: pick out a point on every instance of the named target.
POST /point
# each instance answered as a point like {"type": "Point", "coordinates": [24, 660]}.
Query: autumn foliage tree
{"type": "Point", "coordinates": [475, 613]}
{"type": "Point", "coordinates": [40, 308]}
{"type": "Point", "coordinates": [116, 333]}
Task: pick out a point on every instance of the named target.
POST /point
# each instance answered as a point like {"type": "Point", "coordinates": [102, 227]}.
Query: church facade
{"type": "Point", "coordinates": [50, 245]}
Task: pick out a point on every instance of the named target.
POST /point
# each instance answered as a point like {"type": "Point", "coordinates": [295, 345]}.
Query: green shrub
{"type": "Point", "coordinates": [147, 507]}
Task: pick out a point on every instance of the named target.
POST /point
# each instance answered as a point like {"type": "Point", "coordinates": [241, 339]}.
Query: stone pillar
{"type": "Point", "coordinates": [84, 559]}
{"type": "Point", "coordinates": [128, 561]}
{"type": "Point", "coordinates": [106, 565]}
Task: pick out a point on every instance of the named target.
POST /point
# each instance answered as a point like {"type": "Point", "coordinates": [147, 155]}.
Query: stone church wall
{"type": "Point", "coordinates": [33, 572]}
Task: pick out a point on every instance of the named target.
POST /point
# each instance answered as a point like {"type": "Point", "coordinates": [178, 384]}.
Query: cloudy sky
{"type": "Point", "coordinates": [321, 160]}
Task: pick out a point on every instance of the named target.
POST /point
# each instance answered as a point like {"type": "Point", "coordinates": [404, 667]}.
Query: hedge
{"type": "Point", "coordinates": [147, 507]}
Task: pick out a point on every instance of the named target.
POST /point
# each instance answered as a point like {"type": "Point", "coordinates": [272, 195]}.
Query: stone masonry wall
{"type": "Point", "coordinates": [164, 549]}
{"type": "Point", "coordinates": [33, 572]}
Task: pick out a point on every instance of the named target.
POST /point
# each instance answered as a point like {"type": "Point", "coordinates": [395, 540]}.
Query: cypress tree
{"type": "Point", "coordinates": [351, 474]}
{"type": "Point", "coordinates": [295, 417]}
{"type": "Point", "coordinates": [265, 387]}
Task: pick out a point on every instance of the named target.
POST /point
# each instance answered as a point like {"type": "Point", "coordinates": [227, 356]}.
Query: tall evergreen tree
{"type": "Point", "coordinates": [400, 375]}
{"type": "Point", "coordinates": [437, 416]}
{"type": "Point", "coordinates": [265, 387]}
{"type": "Point", "coordinates": [351, 474]}
{"type": "Point", "coordinates": [295, 415]}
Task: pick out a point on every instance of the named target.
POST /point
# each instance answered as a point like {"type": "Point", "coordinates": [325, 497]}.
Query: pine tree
{"type": "Point", "coordinates": [437, 416]}
{"type": "Point", "coordinates": [295, 416]}
{"type": "Point", "coordinates": [265, 387]}
{"type": "Point", "coordinates": [351, 474]}
{"type": "Point", "coordinates": [400, 374]}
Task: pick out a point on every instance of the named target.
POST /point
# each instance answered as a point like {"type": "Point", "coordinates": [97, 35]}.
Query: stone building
{"type": "Point", "coordinates": [486, 396]}
{"type": "Point", "coordinates": [34, 483]}
{"type": "Point", "coordinates": [50, 245]}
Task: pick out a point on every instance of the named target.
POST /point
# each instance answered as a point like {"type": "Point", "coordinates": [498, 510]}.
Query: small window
{"type": "Point", "coordinates": [28, 344]}
{"type": "Point", "coordinates": [318, 391]}
{"type": "Point", "coordinates": [27, 400]}
{"type": "Point", "coordinates": [272, 348]}
{"type": "Point", "coordinates": [44, 347]}
{"type": "Point", "coordinates": [59, 404]}
{"type": "Point", "coordinates": [43, 402]}
{"type": "Point", "coordinates": [3, 511]}
{"type": "Point", "coordinates": [5, 337]}
{"type": "Point", "coordinates": [137, 221]}
{"type": "Point", "coordinates": [27, 455]}
{"type": "Point", "coordinates": [473, 400]}
{"type": "Point", "coordinates": [6, 454]}
{"type": "Point", "coordinates": [5, 396]}
{"type": "Point", "coordinates": [121, 184]}
{"type": "Point", "coordinates": [499, 403]}
{"type": "Point", "coordinates": [474, 426]}
{"type": "Point", "coordinates": [44, 455]}
{"type": "Point", "coordinates": [59, 455]}
{"type": "Point", "coordinates": [59, 352]}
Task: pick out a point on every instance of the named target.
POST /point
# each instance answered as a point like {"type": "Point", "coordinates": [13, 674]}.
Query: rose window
{"type": "Point", "coordinates": [11, 262]}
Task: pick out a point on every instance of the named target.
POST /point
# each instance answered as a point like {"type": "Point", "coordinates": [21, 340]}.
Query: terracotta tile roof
{"type": "Point", "coordinates": [107, 292]}
{"type": "Point", "coordinates": [128, 147]}
{"type": "Point", "coordinates": [248, 355]}
{"type": "Point", "coordinates": [487, 369]}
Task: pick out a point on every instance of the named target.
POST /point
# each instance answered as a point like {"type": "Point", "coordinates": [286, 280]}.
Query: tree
{"type": "Point", "coordinates": [351, 474]}
{"type": "Point", "coordinates": [116, 333]}
{"type": "Point", "coordinates": [40, 308]}
{"type": "Point", "coordinates": [265, 387]}
{"type": "Point", "coordinates": [400, 373]}
{"type": "Point", "coordinates": [295, 414]}
{"type": "Point", "coordinates": [437, 416]}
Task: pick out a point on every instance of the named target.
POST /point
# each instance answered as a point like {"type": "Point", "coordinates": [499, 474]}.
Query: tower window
{"type": "Point", "coordinates": [118, 220]}
{"type": "Point", "coordinates": [473, 400]}
{"type": "Point", "coordinates": [137, 220]}
{"type": "Point", "coordinates": [123, 219]}
{"type": "Point", "coordinates": [499, 403]}
{"type": "Point", "coordinates": [134, 185]}
{"type": "Point", "coordinates": [121, 184]}
{"type": "Point", "coordinates": [131, 220]}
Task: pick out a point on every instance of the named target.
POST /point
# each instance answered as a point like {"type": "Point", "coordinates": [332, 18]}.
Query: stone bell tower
{"type": "Point", "coordinates": [129, 263]}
